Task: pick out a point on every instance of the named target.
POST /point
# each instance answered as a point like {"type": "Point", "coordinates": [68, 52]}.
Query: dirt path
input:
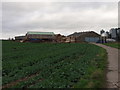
{"type": "Point", "coordinates": [20, 80]}
{"type": "Point", "coordinates": [112, 74]}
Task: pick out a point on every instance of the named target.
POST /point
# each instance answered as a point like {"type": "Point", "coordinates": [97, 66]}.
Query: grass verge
{"type": "Point", "coordinates": [96, 76]}
{"type": "Point", "coordinates": [114, 45]}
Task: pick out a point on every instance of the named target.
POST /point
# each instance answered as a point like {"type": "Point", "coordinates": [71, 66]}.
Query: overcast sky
{"type": "Point", "coordinates": [58, 17]}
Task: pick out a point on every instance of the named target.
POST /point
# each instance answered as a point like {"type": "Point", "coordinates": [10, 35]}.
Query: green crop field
{"type": "Point", "coordinates": [50, 65]}
{"type": "Point", "coordinates": [114, 45]}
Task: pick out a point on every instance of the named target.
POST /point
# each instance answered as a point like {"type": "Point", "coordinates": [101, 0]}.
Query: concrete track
{"type": "Point", "coordinates": [113, 71]}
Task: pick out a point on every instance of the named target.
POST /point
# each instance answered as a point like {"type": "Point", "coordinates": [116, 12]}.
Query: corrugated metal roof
{"type": "Point", "coordinates": [41, 33]}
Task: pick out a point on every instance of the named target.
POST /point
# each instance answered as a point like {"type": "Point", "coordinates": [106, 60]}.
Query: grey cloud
{"type": "Point", "coordinates": [64, 17]}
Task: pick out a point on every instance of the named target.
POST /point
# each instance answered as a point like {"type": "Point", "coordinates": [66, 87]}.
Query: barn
{"type": "Point", "coordinates": [40, 36]}
{"type": "Point", "coordinates": [89, 36]}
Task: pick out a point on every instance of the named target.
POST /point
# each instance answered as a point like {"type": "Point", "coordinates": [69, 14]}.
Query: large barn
{"type": "Point", "coordinates": [90, 36]}
{"type": "Point", "coordinates": [40, 36]}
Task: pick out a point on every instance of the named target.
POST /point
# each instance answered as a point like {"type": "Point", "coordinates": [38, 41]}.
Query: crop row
{"type": "Point", "coordinates": [56, 65]}
{"type": "Point", "coordinates": [13, 70]}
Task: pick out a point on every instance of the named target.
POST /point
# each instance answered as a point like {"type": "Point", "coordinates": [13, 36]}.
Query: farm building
{"type": "Point", "coordinates": [64, 39]}
{"type": "Point", "coordinates": [60, 38]}
{"type": "Point", "coordinates": [70, 39]}
{"type": "Point", "coordinates": [40, 36]}
{"type": "Point", "coordinates": [20, 38]}
{"type": "Point", "coordinates": [90, 36]}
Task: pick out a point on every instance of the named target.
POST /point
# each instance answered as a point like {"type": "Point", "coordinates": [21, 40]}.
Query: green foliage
{"type": "Point", "coordinates": [57, 65]}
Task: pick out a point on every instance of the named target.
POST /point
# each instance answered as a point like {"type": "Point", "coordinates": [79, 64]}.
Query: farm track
{"type": "Point", "coordinates": [19, 80]}
{"type": "Point", "coordinates": [33, 83]}
{"type": "Point", "coordinates": [112, 72]}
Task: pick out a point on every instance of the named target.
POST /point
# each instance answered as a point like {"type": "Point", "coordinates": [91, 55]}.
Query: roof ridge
{"type": "Point", "coordinates": [45, 33]}
{"type": "Point", "coordinates": [34, 31]}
